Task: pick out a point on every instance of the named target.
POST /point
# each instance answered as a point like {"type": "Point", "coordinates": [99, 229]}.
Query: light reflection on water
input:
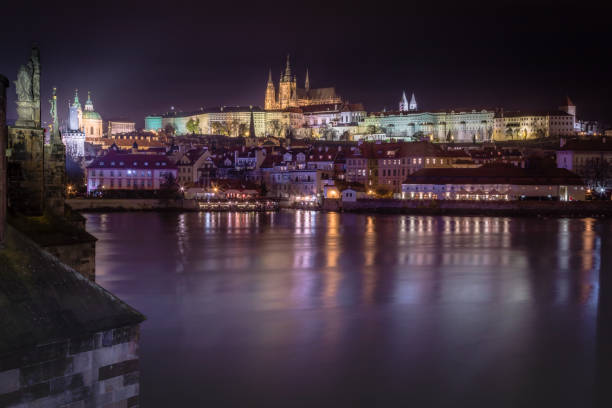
{"type": "Point", "coordinates": [355, 306]}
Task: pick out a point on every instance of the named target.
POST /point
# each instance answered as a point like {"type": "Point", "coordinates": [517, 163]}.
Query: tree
{"type": "Point", "coordinates": [193, 126]}
{"type": "Point", "coordinates": [242, 129]}
{"type": "Point", "coordinates": [169, 188]}
{"type": "Point", "coordinates": [597, 173]}
{"type": "Point", "coordinates": [275, 127]}
{"type": "Point", "coordinates": [169, 129]}
{"type": "Point", "coordinates": [474, 138]}
{"type": "Point", "coordinates": [329, 133]}
{"type": "Point", "coordinates": [419, 135]}
{"type": "Point", "coordinates": [382, 192]}
{"type": "Point", "coordinates": [221, 128]}
{"type": "Point", "coordinates": [263, 189]}
{"type": "Point", "coordinates": [373, 129]}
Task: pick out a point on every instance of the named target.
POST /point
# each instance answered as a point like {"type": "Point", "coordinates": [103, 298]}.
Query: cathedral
{"type": "Point", "coordinates": [290, 96]}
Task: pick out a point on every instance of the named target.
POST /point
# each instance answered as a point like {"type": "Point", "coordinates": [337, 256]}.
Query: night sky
{"type": "Point", "coordinates": [142, 58]}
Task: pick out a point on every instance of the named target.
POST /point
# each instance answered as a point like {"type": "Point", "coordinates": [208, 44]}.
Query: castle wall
{"type": "Point", "coordinates": [93, 370]}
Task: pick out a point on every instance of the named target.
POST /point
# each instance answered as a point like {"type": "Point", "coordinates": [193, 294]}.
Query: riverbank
{"type": "Point", "coordinates": [381, 206]}
{"type": "Point", "coordinates": [489, 208]}
{"type": "Point", "coordinates": [130, 204]}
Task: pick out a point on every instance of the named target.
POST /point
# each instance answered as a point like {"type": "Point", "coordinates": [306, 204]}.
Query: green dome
{"type": "Point", "coordinates": [91, 115]}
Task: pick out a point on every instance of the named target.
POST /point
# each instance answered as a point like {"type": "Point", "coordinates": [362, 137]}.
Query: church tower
{"type": "Point", "coordinates": [286, 87]}
{"type": "Point", "coordinates": [307, 82]}
{"type": "Point", "coordinates": [76, 113]}
{"type": "Point", "coordinates": [270, 101]}
{"type": "Point", "coordinates": [413, 103]}
{"type": "Point", "coordinates": [403, 105]}
{"type": "Point", "coordinates": [569, 107]}
{"type": "Point", "coordinates": [92, 121]}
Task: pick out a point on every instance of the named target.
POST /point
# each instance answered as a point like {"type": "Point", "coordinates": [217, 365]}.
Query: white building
{"type": "Point", "coordinates": [119, 170]}
{"type": "Point", "coordinates": [493, 183]}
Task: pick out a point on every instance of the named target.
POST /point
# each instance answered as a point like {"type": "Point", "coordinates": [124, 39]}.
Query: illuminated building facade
{"type": "Point", "coordinates": [388, 164]}
{"type": "Point", "coordinates": [443, 126]}
{"type": "Point", "coordinates": [290, 96]}
{"type": "Point", "coordinates": [529, 125]}
{"type": "Point", "coordinates": [494, 183]}
{"type": "Point", "coordinates": [91, 122]}
{"type": "Point", "coordinates": [116, 127]}
{"type": "Point", "coordinates": [121, 170]}
{"type": "Point", "coordinates": [74, 137]}
{"type": "Point", "coordinates": [153, 123]}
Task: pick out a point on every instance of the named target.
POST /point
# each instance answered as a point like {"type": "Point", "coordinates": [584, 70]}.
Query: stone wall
{"type": "Point", "coordinates": [55, 178]}
{"type": "Point", "coordinates": [101, 369]}
{"type": "Point", "coordinates": [127, 204]}
{"type": "Point", "coordinates": [25, 170]}
{"type": "Point", "coordinates": [507, 208]}
{"type": "Point", "coordinates": [80, 256]}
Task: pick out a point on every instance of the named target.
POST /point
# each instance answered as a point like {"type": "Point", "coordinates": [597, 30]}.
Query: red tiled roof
{"type": "Point", "coordinates": [495, 175]}
{"type": "Point", "coordinates": [132, 161]}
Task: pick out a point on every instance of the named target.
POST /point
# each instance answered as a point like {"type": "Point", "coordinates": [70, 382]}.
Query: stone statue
{"type": "Point", "coordinates": [23, 85]}
{"type": "Point", "coordinates": [27, 87]}
{"type": "Point", "coordinates": [35, 66]}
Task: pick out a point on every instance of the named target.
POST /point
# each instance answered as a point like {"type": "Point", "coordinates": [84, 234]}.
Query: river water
{"type": "Point", "coordinates": [301, 308]}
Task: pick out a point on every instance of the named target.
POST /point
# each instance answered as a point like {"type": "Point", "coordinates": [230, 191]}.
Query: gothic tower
{"type": "Point", "coordinates": [287, 87]}
{"type": "Point", "coordinates": [307, 82]}
{"type": "Point", "coordinates": [76, 113]}
{"type": "Point", "coordinates": [270, 101]}
{"type": "Point", "coordinates": [403, 105]}
{"type": "Point", "coordinates": [413, 103]}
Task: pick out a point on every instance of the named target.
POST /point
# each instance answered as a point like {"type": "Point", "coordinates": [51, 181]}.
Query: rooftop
{"type": "Point", "coordinates": [495, 175]}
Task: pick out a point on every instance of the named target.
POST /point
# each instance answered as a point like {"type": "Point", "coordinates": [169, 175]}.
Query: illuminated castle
{"type": "Point", "coordinates": [290, 96]}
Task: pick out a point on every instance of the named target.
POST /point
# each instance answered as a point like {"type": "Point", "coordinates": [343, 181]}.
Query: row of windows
{"type": "Point", "coordinates": [134, 164]}
{"type": "Point", "coordinates": [111, 173]}
{"type": "Point", "coordinates": [119, 183]}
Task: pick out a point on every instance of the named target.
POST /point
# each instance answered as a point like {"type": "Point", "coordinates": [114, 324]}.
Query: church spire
{"type": "Point", "coordinates": [288, 70]}
{"type": "Point", "coordinates": [89, 103]}
{"type": "Point", "coordinates": [307, 82]}
{"type": "Point", "coordinates": [413, 103]}
{"type": "Point", "coordinates": [403, 105]}
{"type": "Point", "coordinates": [270, 76]}
{"type": "Point", "coordinates": [76, 102]}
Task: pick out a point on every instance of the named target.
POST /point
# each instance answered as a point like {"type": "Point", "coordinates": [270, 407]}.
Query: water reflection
{"type": "Point", "coordinates": [350, 305]}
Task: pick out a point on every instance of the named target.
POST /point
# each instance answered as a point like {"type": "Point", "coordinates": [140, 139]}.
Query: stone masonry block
{"type": "Point", "coordinates": [41, 372]}
{"type": "Point", "coordinates": [9, 381]}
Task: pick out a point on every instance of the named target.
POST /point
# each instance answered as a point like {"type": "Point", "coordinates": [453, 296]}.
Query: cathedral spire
{"type": "Point", "coordinates": [403, 105]}
{"type": "Point", "coordinates": [307, 82]}
{"type": "Point", "coordinates": [270, 76]}
{"type": "Point", "coordinates": [413, 103]}
{"type": "Point", "coordinates": [288, 70]}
